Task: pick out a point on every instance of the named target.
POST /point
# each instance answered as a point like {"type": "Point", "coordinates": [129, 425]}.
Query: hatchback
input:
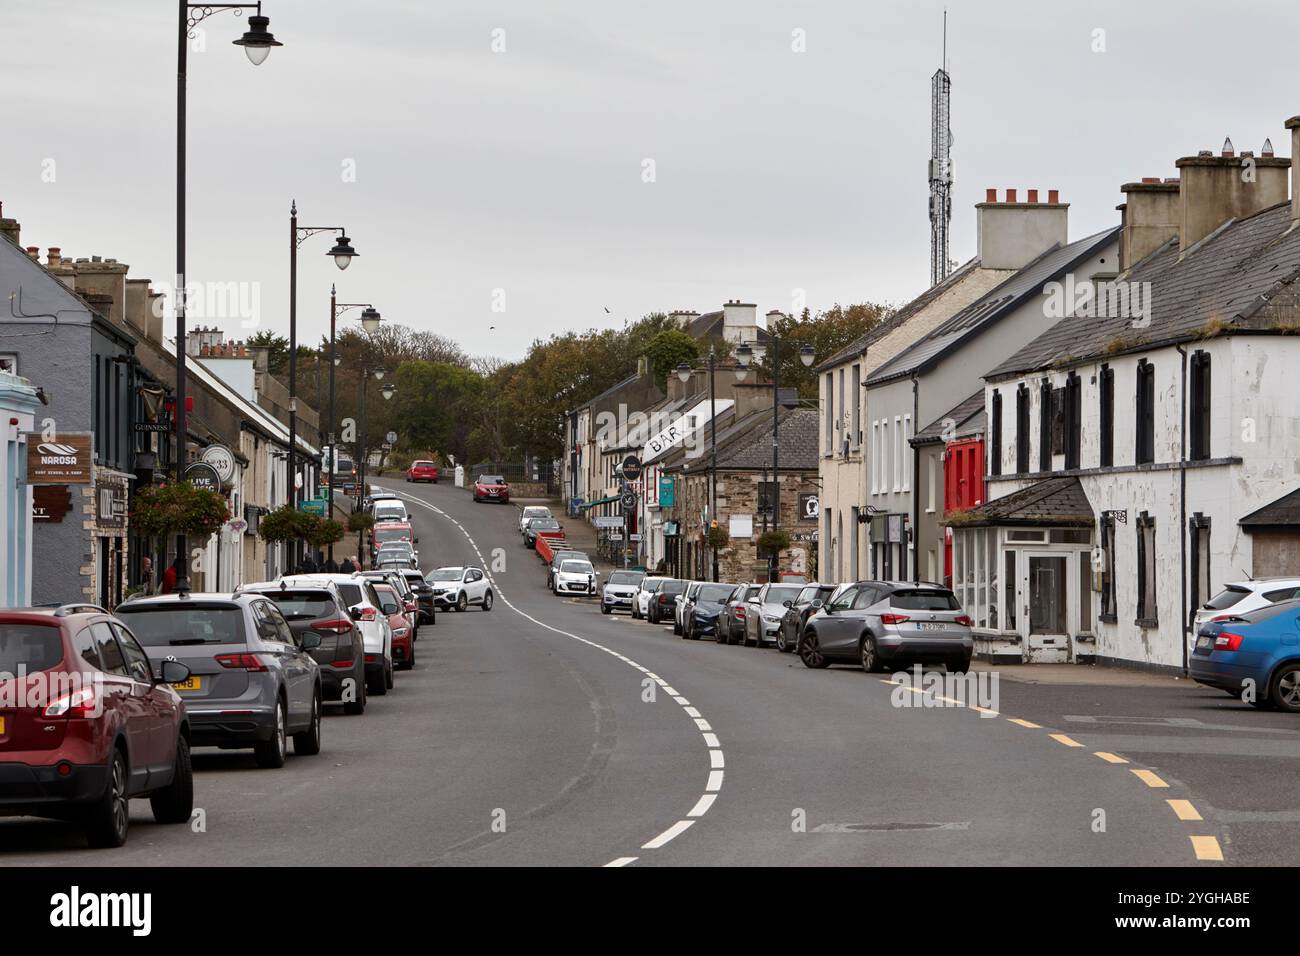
{"type": "Point", "coordinates": [663, 601]}
{"type": "Point", "coordinates": [1242, 596]}
{"type": "Point", "coordinates": [252, 683]}
{"type": "Point", "coordinates": [427, 613]}
{"type": "Point", "coordinates": [396, 578]}
{"type": "Point", "coordinates": [878, 623]}
{"type": "Point", "coordinates": [422, 471]}
{"type": "Point", "coordinates": [532, 511]}
{"type": "Point", "coordinates": [576, 576]}
{"type": "Point", "coordinates": [641, 603]}
{"type": "Point", "coordinates": [731, 626]}
{"type": "Point", "coordinates": [1256, 650]}
{"type": "Point", "coordinates": [536, 527]}
{"type": "Point", "coordinates": [683, 603]}
{"type": "Point", "coordinates": [559, 557]}
{"type": "Point", "coordinates": [86, 723]}
{"type": "Point", "coordinates": [704, 613]}
{"type": "Point", "coordinates": [458, 587]}
{"type": "Point", "coordinates": [399, 621]}
{"type": "Point", "coordinates": [363, 607]}
{"type": "Point", "coordinates": [341, 656]}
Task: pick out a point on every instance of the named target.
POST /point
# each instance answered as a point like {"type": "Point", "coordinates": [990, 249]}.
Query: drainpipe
{"type": "Point", "coordinates": [1182, 511]}
{"type": "Point", "coordinates": [916, 477]}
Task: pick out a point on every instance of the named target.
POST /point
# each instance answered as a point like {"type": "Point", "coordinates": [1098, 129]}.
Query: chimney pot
{"type": "Point", "coordinates": [1267, 149]}
{"type": "Point", "coordinates": [1227, 146]}
{"type": "Point", "coordinates": [1011, 195]}
{"type": "Point", "coordinates": [990, 195]}
{"type": "Point", "coordinates": [1054, 196]}
{"type": "Point", "coordinates": [1151, 179]}
{"type": "Point", "coordinates": [34, 252]}
{"type": "Point", "coordinates": [1033, 196]}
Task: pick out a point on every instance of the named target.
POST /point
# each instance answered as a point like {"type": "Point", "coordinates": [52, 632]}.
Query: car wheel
{"type": "Point", "coordinates": [810, 651]}
{"type": "Point", "coordinates": [388, 676]}
{"type": "Point", "coordinates": [870, 659]}
{"type": "Point", "coordinates": [747, 642]}
{"type": "Point", "coordinates": [357, 707]}
{"type": "Point", "coordinates": [721, 633]}
{"type": "Point", "coordinates": [378, 684]}
{"type": "Point", "coordinates": [270, 754]}
{"type": "Point", "coordinates": [487, 601]}
{"type": "Point", "coordinates": [781, 645]}
{"type": "Point", "coordinates": [462, 602]}
{"type": "Point", "coordinates": [109, 819]}
{"type": "Point", "coordinates": [175, 802]}
{"type": "Point", "coordinates": [1285, 690]}
{"type": "Point", "coordinates": [604, 609]}
{"type": "Point", "coordinates": [409, 663]}
{"type": "Point", "coordinates": [306, 743]}
{"type": "Point", "coordinates": [958, 665]}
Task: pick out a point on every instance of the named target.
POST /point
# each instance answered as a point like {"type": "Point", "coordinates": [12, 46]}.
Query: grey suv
{"type": "Point", "coordinates": [252, 681]}
{"type": "Point", "coordinates": [879, 623]}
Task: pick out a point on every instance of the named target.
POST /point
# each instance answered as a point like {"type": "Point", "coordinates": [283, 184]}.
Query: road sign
{"type": "Point", "coordinates": [629, 501]}
{"type": "Point", "coordinates": [314, 506]}
{"type": "Point", "coordinates": [631, 468]}
{"type": "Point", "coordinates": [391, 438]}
{"type": "Point", "coordinates": [607, 521]}
{"type": "Point", "coordinates": [204, 476]}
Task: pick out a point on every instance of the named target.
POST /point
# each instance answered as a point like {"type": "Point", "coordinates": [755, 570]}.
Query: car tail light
{"type": "Point", "coordinates": [369, 614]}
{"type": "Point", "coordinates": [371, 658]}
{"type": "Point", "coordinates": [342, 663]}
{"type": "Point", "coordinates": [964, 620]}
{"type": "Point", "coordinates": [78, 703]}
{"type": "Point", "coordinates": [893, 618]}
{"type": "Point", "coordinates": [241, 662]}
{"type": "Point", "coordinates": [740, 613]}
{"type": "Point", "coordinates": [337, 626]}
{"type": "Point", "coordinates": [1227, 641]}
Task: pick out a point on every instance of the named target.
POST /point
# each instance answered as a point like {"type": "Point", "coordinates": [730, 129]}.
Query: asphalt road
{"type": "Point", "coordinates": [545, 733]}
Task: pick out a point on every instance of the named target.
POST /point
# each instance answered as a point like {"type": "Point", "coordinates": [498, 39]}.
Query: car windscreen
{"type": "Point", "coordinates": [173, 624]}
{"type": "Point", "coordinates": [924, 600]}
{"type": "Point", "coordinates": [714, 593]}
{"type": "Point", "coordinates": [1226, 598]}
{"type": "Point", "coordinates": [301, 605]}
{"type": "Point", "coordinates": [422, 464]}
{"type": "Point", "coordinates": [29, 647]}
{"type": "Point", "coordinates": [392, 534]}
{"type": "Point", "coordinates": [576, 567]}
{"type": "Point", "coordinates": [781, 594]}
{"type": "Point", "coordinates": [543, 524]}
{"type": "Point", "coordinates": [445, 574]}
{"type": "Point", "coordinates": [672, 587]}
{"type": "Point", "coordinates": [625, 577]}
{"type": "Point", "coordinates": [492, 480]}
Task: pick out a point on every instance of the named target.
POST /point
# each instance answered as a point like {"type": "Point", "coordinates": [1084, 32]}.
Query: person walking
{"type": "Point", "coordinates": [146, 576]}
{"type": "Point", "coordinates": [171, 576]}
{"type": "Point", "coordinates": [347, 567]}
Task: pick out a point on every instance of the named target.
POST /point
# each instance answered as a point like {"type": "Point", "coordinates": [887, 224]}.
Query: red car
{"type": "Point", "coordinates": [85, 725]}
{"type": "Point", "coordinates": [491, 488]}
{"type": "Point", "coordinates": [422, 471]}
{"type": "Point", "coordinates": [400, 623]}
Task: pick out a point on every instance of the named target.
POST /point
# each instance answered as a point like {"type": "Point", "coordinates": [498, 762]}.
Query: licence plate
{"type": "Point", "coordinates": [192, 683]}
{"type": "Point", "coordinates": [2, 725]}
{"type": "Point", "coordinates": [1204, 642]}
{"type": "Point", "coordinates": [935, 626]}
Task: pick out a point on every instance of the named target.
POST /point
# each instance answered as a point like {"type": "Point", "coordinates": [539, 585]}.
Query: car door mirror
{"type": "Point", "coordinates": [172, 672]}
{"type": "Point", "coordinates": [310, 641]}
{"type": "Point", "coordinates": [817, 604]}
{"type": "Point", "coordinates": [354, 612]}
{"type": "Point", "coordinates": [787, 603]}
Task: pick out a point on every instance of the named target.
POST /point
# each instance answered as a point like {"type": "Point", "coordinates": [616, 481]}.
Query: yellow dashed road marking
{"type": "Point", "coordinates": [1184, 810]}
{"type": "Point", "coordinates": [1109, 757]}
{"type": "Point", "coordinates": [1206, 847]}
{"type": "Point", "coordinates": [1025, 723]}
{"type": "Point", "coordinates": [1150, 779]}
{"type": "Point", "coordinates": [1062, 739]}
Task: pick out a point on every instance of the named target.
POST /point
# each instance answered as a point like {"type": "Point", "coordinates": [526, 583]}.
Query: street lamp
{"type": "Point", "coordinates": [684, 375]}
{"type": "Point", "coordinates": [370, 319]}
{"type": "Point", "coordinates": [745, 355]}
{"type": "Point", "coordinates": [257, 43]}
{"type": "Point", "coordinates": [387, 392]}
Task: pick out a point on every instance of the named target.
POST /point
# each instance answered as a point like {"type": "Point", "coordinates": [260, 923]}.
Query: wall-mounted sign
{"type": "Point", "coordinates": [152, 427]}
{"type": "Point", "coordinates": [222, 459]}
{"type": "Point", "coordinates": [629, 501]}
{"type": "Point", "coordinates": [63, 461]}
{"type": "Point", "coordinates": [741, 526]}
{"type": "Point", "coordinates": [315, 506]}
{"type": "Point", "coordinates": [252, 517]}
{"type": "Point", "coordinates": [110, 504]}
{"type": "Point", "coordinates": [667, 491]}
{"type": "Point", "coordinates": [50, 503]}
{"type": "Point", "coordinates": [631, 468]}
{"type": "Point", "coordinates": [809, 506]}
{"type": "Point", "coordinates": [204, 476]}
{"type": "Point", "coordinates": [895, 529]}
{"type": "Point", "coordinates": [606, 521]}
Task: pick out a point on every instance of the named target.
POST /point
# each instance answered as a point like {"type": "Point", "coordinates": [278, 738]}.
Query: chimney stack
{"type": "Point", "coordinates": [682, 318]}
{"type": "Point", "coordinates": [1215, 189]}
{"type": "Point", "coordinates": [1293, 124]}
{"type": "Point", "coordinates": [739, 321]}
{"type": "Point", "coordinates": [1012, 234]}
{"type": "Point", "coordinates": [9, 227]}
{"type": "Point", "coordinates": [1149, 217]}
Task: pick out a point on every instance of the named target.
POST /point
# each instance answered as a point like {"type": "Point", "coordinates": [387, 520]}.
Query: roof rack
{"type": "Point", "coordinates": [63, 610]}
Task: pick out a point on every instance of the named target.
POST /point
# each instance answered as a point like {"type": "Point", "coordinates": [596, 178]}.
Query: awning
{"type": "Point", "coordinates": [1050, 503]}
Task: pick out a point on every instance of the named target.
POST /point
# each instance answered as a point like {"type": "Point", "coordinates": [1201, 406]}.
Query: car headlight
{"type": "Point", "coordinates": [771, 620]}
{"type": "Point", "coordinates": [401, 632]}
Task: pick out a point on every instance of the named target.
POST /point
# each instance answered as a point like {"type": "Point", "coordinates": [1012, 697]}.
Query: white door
{"type": "Point", "coordinates": [1047, 604]}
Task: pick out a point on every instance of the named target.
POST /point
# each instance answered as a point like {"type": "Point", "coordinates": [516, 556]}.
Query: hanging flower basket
{"type": "Point", "coordinates": [773, 542]}
{"type": "Point", "coordinates": [165, 510]}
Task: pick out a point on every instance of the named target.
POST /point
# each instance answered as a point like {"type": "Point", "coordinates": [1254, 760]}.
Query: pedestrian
{"type": "Point", "coordinates": [347, 567]}
{"type": "Point", "coordinates": [308, 566]}
{"type": "Point", "coordinates": [331, 566]}
{"type": "Point", "coordinates": [171, 576]}
{"type": "Point", "coordinates": [146, 575]}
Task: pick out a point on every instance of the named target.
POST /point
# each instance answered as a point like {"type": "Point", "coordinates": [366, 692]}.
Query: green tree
{"type": "Point", "coordinates": [669, 349]}
{"type": "Point", "coordinates": [827, 332]}
{"type": "Point", "coordinates": [277, 346]}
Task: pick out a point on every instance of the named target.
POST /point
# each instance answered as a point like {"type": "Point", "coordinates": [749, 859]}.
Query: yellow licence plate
{"type": "Point", "coordinates": [192, 683]}
{"type": "Point", "coordinates": [2, 725]}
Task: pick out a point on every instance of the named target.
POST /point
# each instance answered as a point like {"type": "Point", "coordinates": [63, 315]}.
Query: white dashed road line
{"type": "Point", "coordinates": [716, 759]}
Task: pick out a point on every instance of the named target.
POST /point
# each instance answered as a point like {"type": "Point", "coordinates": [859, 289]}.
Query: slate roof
{"type": "Point", "coordinates": [1240, 278]}
{"type": "Point", "coordinates": [1053, 502]}
{"type": "Point", "coordinates": [751, 447]}
{"type": "Point", "coordinates": [998, 303]}
{"type": "Point", "coordinates": [966, 420]}
{"type": "Point", "coordinates": [1284, 512]}
{"type": "Point", "coordinates": [710, 324]}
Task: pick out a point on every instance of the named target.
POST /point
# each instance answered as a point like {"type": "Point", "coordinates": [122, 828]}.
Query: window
{"type": "Point", "coordinates": [1107, 569]}
{"type": "Point", "coordinates": [1073, 421]}
{"type": "Point", "coordinates": [1146, 568]}
{"type": "Point", "coordinates": [842, 438]}
{"type": "Point", "coordinates": [110, 655]}
{"type": "Point", "coordinates": [1022, 429]}
{"type": "Point", "coordinates": [1146, 413]}
{"type": "Point", "coordinates": [904, 457]}
{"type": "Point", "coordinates": [897, 452]}
{"type": "Point", "coordinates": [1085, 592]}
{"type": "Point", "coordinates": [1106, 389]}
{"type": "Point", "coordinates": [854, 546]}
{"type": "Point", "coordinates": [830, 413]}
{"type": "Point", "coordinates": [1199, 426]}
{"type": "Point", "coordinates": [1009, 585]}
{"type": "Point", "coordinates": [1199, 531]}
{"type": "Point", "coordinates": [932, 468]}
{"type": "Point", "coordinates": [874, 454]}
{"type": "Point", "coordinates": [1045, 426]}
{"type": "Point", "coordinates": [855, 430]}
{"type": "Point", "coordinates": [995, 430]}
{"type": "Point", "coordinates": [845, 601]}
{"type": "Point", "coordinates": [865, 597]}
{"type": "Point", "coordinates": [137, 662]}
{"type": "Point", "coordinates": [84, 641]}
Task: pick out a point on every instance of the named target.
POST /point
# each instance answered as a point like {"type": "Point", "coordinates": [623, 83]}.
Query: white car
{"type": "Point", "coordinates": [576, 576]}
{"type": "Point", "coordinates": [684, 602]}
{"type": "Point", "coordinates": [620, 590]}
{"type": "Point", "coordinates": [1243, 596]}
{"type": "Point", "coordinates": [365, 607]}
{"type": "Point", "coordinates": [459, 587]}
{"type": "Point", "coordinates": [641, 603]}
{"type": "Point", "coordinates": [390, 509]}
{"type": "Point", "coordinates": [532, 511]}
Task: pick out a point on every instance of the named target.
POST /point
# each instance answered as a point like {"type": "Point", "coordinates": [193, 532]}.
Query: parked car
{"type": "Point", "coordinates": [399, 622]}
{"type": "Point", "coordinates": [532, 511]}
{"type": "Point", "coordinates": [536, 527]}
{"type": "Point", "coordinates": [491, 488]}
{"type": "Point", "coordinates": [1256, 651]}
{"type": "Point", "coordinates": [1242, 596]}
{"type": "Point", "coordinates": [458, 587]}
{"type": "Point", "coordinates": [641, 602]}
{"type": "Point", "coordinates": [732, 623]}
{"type": "Point", "coordinates": [318, 607]}
{"type": "Point", "coordinates": [253, 682]}
{"type": "Point", "coordinates": [705, 613]}
{"type": "Point", "coordinates": [363, 607]}
{"type": "Point", "coordinates": [396, 578]}
{"type": "Point", "coordinates": [388, 532]}
{"type": "Point", "coordinates": [397, 554]}
{"type": "Point", "coordinates": [422, 471]}
{"type": "Point", "coordinates": [428, 611]}
{"type": "Point", "coordinates": [562, 554]}
{"type": "Point", "coordinates": [763, 612]}
{"type": "Point", "coordinates": [576, 576]}
{"type": "Point", "coordinates": [894, 623]}
{"type": "Point", "coordinates": [344, 470]}
{"type": "Point", "coordinates": [98, 724]}
{"type": "Point", "coordinates": [682, 603]}
{"type": "Point", "coordinates": [663, 602]}
{"type": "Point", "coordinates": [387, 510]}
{"type": "Point", "coordinates": [620, 590]}
{"type": "Point", "coordinates": [797, 613]}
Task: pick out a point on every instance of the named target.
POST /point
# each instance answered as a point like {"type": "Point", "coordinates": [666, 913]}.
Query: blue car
{"type": "Point", "coordinates": [1257, 651]}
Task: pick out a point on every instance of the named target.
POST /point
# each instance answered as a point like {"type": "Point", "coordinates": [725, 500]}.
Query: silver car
{"type": "Point", "coordinates": [764, 610]}
{"type": "Point", "coordinates": [684, 602]}
{"type": "Point", "coordinates": [620, 590]}
{"type": "Point", "coordinates": [252, 683]}
{"type": "Point", "coordinates": [641, 601]}
{"type": "Point", "coordinates": [889, 623]}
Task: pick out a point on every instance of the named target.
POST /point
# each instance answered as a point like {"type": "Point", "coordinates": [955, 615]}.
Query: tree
{"type": "Point", "coordinates": [827, 332]}
{"type": "Point", "coordinates": [669, 349]}
{"type": "Point", "coordinates": [277, 346]}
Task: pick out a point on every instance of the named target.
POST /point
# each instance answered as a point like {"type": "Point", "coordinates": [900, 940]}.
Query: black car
{"type": "Point", "coordinates": [423, 596]}
{"type": "Point", "coordinates": [313, 607]}
{"type": "Point", "coordinates": [663, 600]}
{"type": "Point", "coordinates": [707, 611]}
{"type": "Point", "coordinates": [797, 613]}
{"type": "Point", "coordinates": [535, 526]}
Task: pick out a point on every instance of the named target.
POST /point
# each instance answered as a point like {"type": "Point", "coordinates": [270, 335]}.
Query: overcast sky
{"type": "Point", "coordinates": [523, 170]}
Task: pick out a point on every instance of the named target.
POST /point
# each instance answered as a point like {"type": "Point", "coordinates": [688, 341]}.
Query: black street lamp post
{"type": "Point", "coordinates": [257, 42]}
{"type": "Point", "coordinates": [387, 391]}
{"type": "Point", "coordinates": [370, 319]}
{"type": "Point", "coordinates": [684, 374]}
